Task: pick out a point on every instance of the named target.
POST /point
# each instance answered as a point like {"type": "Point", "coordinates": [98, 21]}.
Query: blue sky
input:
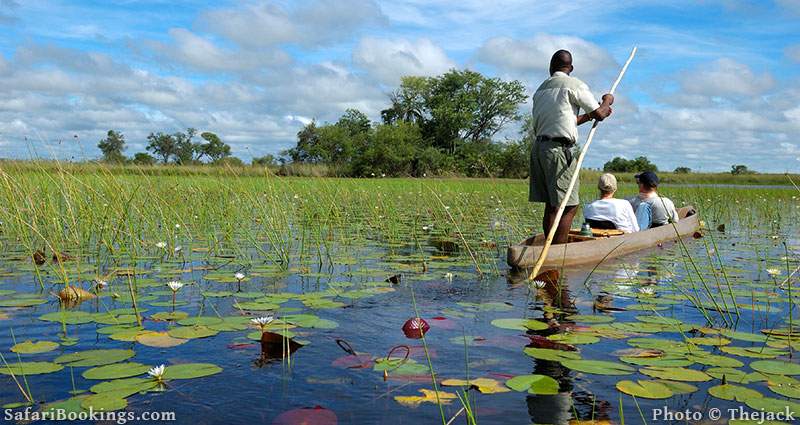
{"type": "Point", "coordinates": [715, 82]}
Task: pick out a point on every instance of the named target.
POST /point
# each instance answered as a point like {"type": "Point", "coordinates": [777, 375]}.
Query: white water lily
{"type": "Point", "coordinates": [774, 271]}
{"type": "Point", "coordinates": [647, 290]}
{"type": "Point", "coordinates": [239, 276]}
{"type": "Point", "coordinates": [157, 372]}
{"type": "Point", "coordinates": [539, 284]}
{"type": "Point", "coordinates": [161, 245]}
{"type": "Point", "coordinates": [175, 285]}
{"type": "Point", "coordinates": [100, 284]}
{"type": "Point", "coordinates": [448, 276]}
{"type": "Point", "coordinates": [262, 321]}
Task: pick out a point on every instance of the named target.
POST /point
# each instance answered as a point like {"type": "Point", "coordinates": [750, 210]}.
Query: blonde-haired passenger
{"type": "Point", "coordinates": [608, 212]}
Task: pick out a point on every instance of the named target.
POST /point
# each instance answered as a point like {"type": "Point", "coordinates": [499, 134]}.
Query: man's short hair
{"type": "Point", "coordinates": [561, 59]}
{"type": "Point", "coordinates": [648, 178]}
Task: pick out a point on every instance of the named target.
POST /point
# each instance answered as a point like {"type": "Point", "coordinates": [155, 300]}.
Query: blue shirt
{"type": "Point", "coordinates": [644, 215]}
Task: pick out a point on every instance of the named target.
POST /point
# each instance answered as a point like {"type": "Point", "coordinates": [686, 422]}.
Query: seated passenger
{"type": "Point", "coordinates": [652, 210]}
{"type": "Point", "coordinates": [610, 213]}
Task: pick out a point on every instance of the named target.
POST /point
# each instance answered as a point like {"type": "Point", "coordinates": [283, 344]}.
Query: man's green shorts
{"type": "Point", "coordinates": [550, 174]}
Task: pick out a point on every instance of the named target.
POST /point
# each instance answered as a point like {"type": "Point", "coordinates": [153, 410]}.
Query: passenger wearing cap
{"type": "Point", "coordinates": [608, 212]}
{"type": "Point", "coordinates": [651, 209]}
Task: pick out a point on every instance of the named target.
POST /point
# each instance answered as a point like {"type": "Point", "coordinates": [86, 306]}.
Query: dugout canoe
{"type": "Point", "coordinates": [605, 244]}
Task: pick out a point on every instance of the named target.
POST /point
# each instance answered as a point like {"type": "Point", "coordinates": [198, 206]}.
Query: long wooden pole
{"type": "Point", "coordinates": [574, 179]}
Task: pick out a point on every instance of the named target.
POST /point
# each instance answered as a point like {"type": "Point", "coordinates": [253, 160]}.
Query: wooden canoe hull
{"type": "Point", "coordinates": [527, 253]}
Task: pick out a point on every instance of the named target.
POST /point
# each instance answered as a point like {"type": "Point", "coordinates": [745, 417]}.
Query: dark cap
{"type": "Point", "coordinates": [647, 178]}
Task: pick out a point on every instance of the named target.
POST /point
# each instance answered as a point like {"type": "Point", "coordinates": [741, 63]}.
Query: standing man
{"type": "Point", "coordinates": [556, 104]}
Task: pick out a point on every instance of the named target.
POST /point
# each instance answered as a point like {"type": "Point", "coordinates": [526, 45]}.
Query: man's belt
{"type": "Point", "coordinates": [566, 145]}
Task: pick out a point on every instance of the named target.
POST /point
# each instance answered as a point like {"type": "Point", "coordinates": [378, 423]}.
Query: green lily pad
{"type": "Point", "coordinates": [660, 320]}
{"type": "Point", "coordinates": [94, 357]}
{"type": "Point", "coordinates": [68, 317]}
{"type": "Point", "coordinates": [125, 385]}
{"type": "Point", "coordinates": [22, 302]}
{"type": "Point", "coordinates": [775, 367]}
{"type": "Point", "coordinates": [573, 338]}
{"type": "Point", "coordinates": [754, 352]}
{"type": "Point", "coordinates": [116, 371]}
{"type": "Point", "coordinates": [70, 405]}
{"type": "Point", "coordinates": [733, 392]}
{"type": "Point", "coordinates": [170, 316]}
{"type": "Point", "coordinates": [30, 368]}
{"type": "Point", "coordinates": [551, 355]}
{"type": "Point", "coordinates": [676, 374]}
{"type": "Point", "coordinates": [29, 347]}
{"type": "Point", "coordinates": [736, 376]}
{"type": "Point", "coordinates": [520, 324]}
{"type": "Point", "coordinates": [192, 332]}
{"type": "Point", "coordinates": [202, 320]}
{"type": "Point", "coordinates": [191, 370]}
{"type": "Point", "coordinates": [106, 402]}
{"type": "Point", "coordinates": [743, 336]}
{"type": "Point", "coordinates": [310, 321]}
{"type": "Point", "coordinates": [715, 360]}
{"type": "Point", "coordinates": [598, 367]}
{"type": "Point", "coordinates": [769, 404]}
{"type": "Point", "coordinates": [664, 361]}
{"type": "Point", "coordinates": [645, 389]}
{"type": "Point", "coordinates": [534, 384]}
{"type": "Point", "coordinates": [678, 387]}
{"type": "Point", "coordinates": [585, 318]}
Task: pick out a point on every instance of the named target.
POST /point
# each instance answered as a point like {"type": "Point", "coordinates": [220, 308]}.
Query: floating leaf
{"type": "Point", "coordinates": [754, 352]}
{"type": "Point", "coordinates": [534, 384]}
{"type": "Point", "coordinates": [735, 375]}
{"type": "Point", "coordinates": [22, 302]}
{"type": "Point", "coordinates": [310, 321]}
{"type": "Point", "coordinates": [484, 385]}
{"type": "Point", "coordinates": [678, 387]}
{"type": "Point", "coordinates": [30, 368]}
{"type": "Point", "coordinates": [551, 355]}
{"type": "Point", "coordinates": [125, 385]}
{"type": "Point", "coordinates": [116, 371]}
{"type": "Point", "coordinates": [94, 357]}
{"type": "Point", "coordinates": [714, 341]}
{"type": "Point", "coordinates": [191, 370]}
{"type": "Point", "coordinates": [676, 374]}
{"type": "Point", "coordinates": [715, 360]}
{"type": "Point", "coordinates": [201, 320]}
{"type": "Point", "coordinates": [733, 392]}
{"type": "Point", "coordinates": [166, 316]}
{"type": "Point", "coordinates": [573, 338]}
{"type": "Point", "coordinates": [769, 404]}
{"type": "Point", "coordinates": [29, 347]}
{"type": "Point", "coordinates": [645, 389]}
{"type": "Point", "coordinates": [520, 324]}
{"type": "Point", "coordinates": [598, 367]}
{"type": "Point", "coordinates": [158, 339]}
{"type": "Point", "coordinates": [192, 332]}
{"type": "Point", "coordinates": [68, 317]}
{"type": "Point", "coordinates": [664, 361]}
{"type": "Point", "coordinates": [428, 396]}
{"type": "Point", "coordinates": [584, 318]}
{"type": "Point", "coordinates": [775, 367]}
{"type": "Point", "coordinates": [106, 401]}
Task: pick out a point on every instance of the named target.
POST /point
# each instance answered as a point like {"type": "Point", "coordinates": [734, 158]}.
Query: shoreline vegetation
{"type": "Point", "coordinates": [587, 176]}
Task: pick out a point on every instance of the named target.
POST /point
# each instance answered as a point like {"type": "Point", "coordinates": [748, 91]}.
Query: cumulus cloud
{"type": "Point", "coordinates": [314, 23]}
{"type": "Point", "coordinates": [194, 51]}
{"type": "Point", "coordinates": [533, 55]}
{"type": "Point", "coordinates": [726, 77]}
{"type": "Point", "coordinates": [389, 60]}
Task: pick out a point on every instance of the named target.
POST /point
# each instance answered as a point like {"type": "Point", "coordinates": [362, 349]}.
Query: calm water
{"type": "Point", "coordinates": [253, 390]}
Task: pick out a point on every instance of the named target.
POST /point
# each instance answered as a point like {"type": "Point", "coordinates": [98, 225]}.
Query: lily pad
{"type": "Point", "coordinates": [22, 302]}
{"type": "Point", "coordinates": [125, 385]}
{"type": "Point", "coordinates": [68, 317]}
{"type": "Point", "coordinates": [201, 320]}
{"type": "Point", "coordinates": [733, 392]}
{"type": "Point", "coordinates": [192, 332]}
{"type": "Point", "coordinates": [678, 387]}
{"type": "Point", "coordinates": [310, 321]}
{"type": "Point", "coordinates": [484, 385]}
{"type": "Point", "coordinates": [645, 389]}
{"type": "Point", "coordinates": [754, 352]}
{"type": "Point", "coordinates": [30, 368]}
{"type": "Point", "coordinates": [428, 396]}
{"type": "Point", "coordinates": [158, 339]}
{"type": "Point", "coordinates": [106, 402]}
{"type": "Point", "coordinates": [676, 374]}
{"type": "Point", "coordinates": [534, 384]}
{"type": "Point", "coordinates": [94, 357]}
{"type": "Point", "coordinates": [520, 324]}
{"type": "Point", "coordinates": [167, 316]}
{"type": "Point", "coordinates": [116, 371]}
{"type": "Point", "coordinates": [29, 347]}
{"type": "Point", "coordinates": [775, 367]}
{"type": "Point", "coordinates": [191, 370]}
{"type": "Point", "coordinates": [551, 355]}
{"type": "Point", "coordinates": [598, 367]}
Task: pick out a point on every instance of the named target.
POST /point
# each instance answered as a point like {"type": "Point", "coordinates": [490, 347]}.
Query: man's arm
{"type": "Point", "coordinates": [600, 113]}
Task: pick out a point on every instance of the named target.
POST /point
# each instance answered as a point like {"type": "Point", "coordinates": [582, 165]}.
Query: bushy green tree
{"type": "Point", "coordinates": [214, 148]}
{"type": "Point", "coordinates": [162, 145]}
{"type": "Point", "coordinates": [682, 170]}
{"type": "Point", "coordinates": [186, 151]}
{"type": "Point", "coordinates": [741, 169]}
{"type": "Point", "coordinates": [622, 165]}
{"type": "Point", "coordinates": [265, 161]}
{"type": "Point", "coordinates": [112, 146]}
{"type": "Point", "coordinates": [142, 158]}
{"type": "Point", "coordinates": [391, 150]}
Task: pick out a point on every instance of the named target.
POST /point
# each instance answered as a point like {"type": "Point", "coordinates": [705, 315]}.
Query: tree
{"type": "Point", "coordinates": [456, 106]}
{"type": "Point", "coordinates": [112, 147]}
{"type": "Point", "coordinates": [622, 165]}
{"type": "Point", "coordinates": [391, 150]}
{"type": "Point", "coordinates": [265, 161]}
{"type": "Point", "coordinates": [229, 161]}
{"type": "Point", "coordinates": [683, 170]}
{"type": "Point", "coordinates": [162, 145]}
{"type": "Point", "coordinates": [740, 169]}
{"type": "Point", "coordinates": [142, 158]}
{"type": "Point", "coordinates": [214, 148]}
{"type": "Point", "coordinates": [185, 149]}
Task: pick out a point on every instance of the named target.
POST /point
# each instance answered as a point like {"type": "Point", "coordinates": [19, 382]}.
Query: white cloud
{"type": "Point", "coordinates": [313, 23]}
{"type": "Point", "coordinates": [726, 77]}
{"type": "Point", "coordinates": [389, 60]}
{"type": "Point", "coordinates": [533, 55]}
